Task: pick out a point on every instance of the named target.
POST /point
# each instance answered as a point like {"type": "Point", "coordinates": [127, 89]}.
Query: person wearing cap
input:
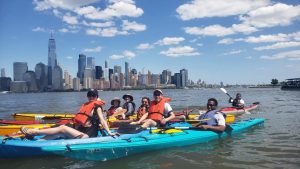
{"type": "Point", "coordinates": [86, 122]}
{"type": "Point", "coordinates": [238, 102]}
{"type": "Point", "coordinates": [160, 111]}
{"type": "Point", "coordinates": [129, 106]}
{"type": "Point", "coordinates": [115, 107]}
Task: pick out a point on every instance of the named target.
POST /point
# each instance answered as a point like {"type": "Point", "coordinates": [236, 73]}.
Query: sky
{"type": "Point", "coordinates": [229, 41]}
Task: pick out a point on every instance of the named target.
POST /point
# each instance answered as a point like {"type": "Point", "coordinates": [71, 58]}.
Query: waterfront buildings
{"type": "Point", "coordinates": [19, 69]}
{"type": "Point", "coordinates": [126, 73]}
{"type": "Point", "coordinates": [30, 78]}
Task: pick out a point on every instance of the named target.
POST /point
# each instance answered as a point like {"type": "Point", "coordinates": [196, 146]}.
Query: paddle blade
{"type": "Point", "coordinates": [223, 90]}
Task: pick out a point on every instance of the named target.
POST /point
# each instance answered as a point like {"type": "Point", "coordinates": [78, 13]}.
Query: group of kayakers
{"type": "Point", "coordinates": [157, 112]}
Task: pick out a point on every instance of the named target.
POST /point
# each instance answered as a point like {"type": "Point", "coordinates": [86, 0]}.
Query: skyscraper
{"type": "Point", "coordinates": [81, 67]}
{"type": "Point", "coordinates": [184, 77]}
{"type": "Point", "coordinates": [91, 62]}
{"type": "Point", "coordinates": [98, 72]}
{"type": "Point", "coordinates": [117, 69]}
{"type": "Point", "coordinates": [57, 78]}
{"type": "Point", "coordinates": [41, 76]}
{"type": "Point", "coordinates": [30, 78]}
{"type": "Point", "coordinates": [106, 75]}
{"type": "Point", "coordinates": [126, 73]}
{"type": "Point", "coordinates": [19, 69]}
{"type": "Point", "coordinates": [166, 77]}
{"type": "Point", "coordinates": [52, 61]}
{"type": "Point", "coordinates": [2, 72]}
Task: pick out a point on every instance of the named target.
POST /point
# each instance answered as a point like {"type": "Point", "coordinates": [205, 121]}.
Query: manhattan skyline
{"type": "Point", "coordinates": [215, 41]}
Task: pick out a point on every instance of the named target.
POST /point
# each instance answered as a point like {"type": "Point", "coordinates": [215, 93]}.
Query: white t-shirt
{"type": "Point", "coordinates": [168, 109]}
{"type": "Point", "coordinates": [242, 102]}
{"type": "Point", "coordinates": [220, 119]}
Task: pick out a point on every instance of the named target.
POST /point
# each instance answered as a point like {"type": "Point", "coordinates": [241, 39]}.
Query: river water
{"type": "Point", "coordinates": [274, 145]}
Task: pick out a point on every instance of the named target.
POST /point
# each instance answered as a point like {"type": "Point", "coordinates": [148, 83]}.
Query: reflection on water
{"type": "Point", "coordinates": [274, 145]}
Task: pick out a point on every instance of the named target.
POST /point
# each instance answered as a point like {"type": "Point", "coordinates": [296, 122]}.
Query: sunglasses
{"type": "Point", "coordinates": [211, 105]}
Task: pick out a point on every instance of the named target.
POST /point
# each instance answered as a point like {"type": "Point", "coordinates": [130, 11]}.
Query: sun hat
{"type": "Point", "coordinates": [128, 95]}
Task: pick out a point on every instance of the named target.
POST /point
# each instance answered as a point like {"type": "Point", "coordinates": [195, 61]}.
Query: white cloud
{"type": "Point", "coordinates": [99, 24]}
{"type": "Point", "coordinates": [95, 50]}
{"type": "Point", "coordinates": [115, 9]}
{"type": "Point", "coordinates": [270, 16]}
{"type": "Point", "coordinates": [212, 30]}
{"type": "Point", "coordinates": [170, 41]}
{"type": "Point", "coordinates": [143, 46]}
{"type": "Point", "coordinates": [69, 57]}
{"type": "Point", "coordinates": [180, 51]}
{"type": "Point", "coordinates": [133, 26]}
{"type": "Point", "coordinates": [217, 8]}
{"type": "Point", "coordinates": [42, 5]}
{"type": "Point", "coordinates": [70, 19]}
{"type": "Point", "coordinates": [129, 54]}
{"type": "Point", "coordinates": [267, 38]}
{"type": "Point", "coordinates": [105, 32]}
{"type": "Point", "coordinates": [290, 55]}
{"type": "Point", "coordinates": [116, 57]}
{"type": "Point", "coordinates": [233, 52]}
{"type": "Point", "coordinates": [226, 41]}
{"type": "Point", "coordinates": [278, 45]}
{"type": "Point", "coordinates": [244, 28]}
{"type": "Point", "coordinates": [38, 29]}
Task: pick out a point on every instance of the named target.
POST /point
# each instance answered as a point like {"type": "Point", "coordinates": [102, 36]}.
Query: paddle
{"type": "Point", "coordinates": [224, 90]}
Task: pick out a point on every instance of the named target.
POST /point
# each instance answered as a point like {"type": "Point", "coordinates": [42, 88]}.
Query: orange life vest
{"type": "Point", "coordinates": [85, 111]}
{"type": "Point", "coordinates": [156, 110]}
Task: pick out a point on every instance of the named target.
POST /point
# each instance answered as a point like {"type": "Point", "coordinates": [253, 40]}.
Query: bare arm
{"type": "Point", "coordinates": [213, 128]}
{"type": "Point", "coordinates": [103, 121]}
{"type": "Point", "coordinates": [172, 116]}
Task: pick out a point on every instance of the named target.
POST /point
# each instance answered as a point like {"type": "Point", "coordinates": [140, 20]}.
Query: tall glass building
{"type": "Point", "coordinates": [91, 62]}
{"type": "Point", "coordinates": [19, 69]}
{"type": "Point", "coordinates": [126, 73]}
{"type": "Point", "coordinates": [81, 67]}
{"type": "Point", "coordinates": [52, 61]}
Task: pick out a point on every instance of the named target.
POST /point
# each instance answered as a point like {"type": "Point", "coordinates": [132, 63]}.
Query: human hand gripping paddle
{"type": "Point", "coordinates": [224, 90]}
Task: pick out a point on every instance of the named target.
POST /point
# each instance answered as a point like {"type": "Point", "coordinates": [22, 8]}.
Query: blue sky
{"type": "Point", "coordinates": [234, 41]}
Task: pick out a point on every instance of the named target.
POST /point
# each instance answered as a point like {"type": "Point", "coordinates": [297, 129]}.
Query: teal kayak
{"type": "Point", "coordinates": [143, 142]}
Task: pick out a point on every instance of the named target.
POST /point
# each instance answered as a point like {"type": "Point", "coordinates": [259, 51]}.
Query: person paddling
{"type": "Point", "coordinates": [212, 119]}
{"type": "Point", "coordinates": [86, 122]}
{"type": "Point", "coordinates": [160, 111]}
{"type": "Point", "coordinates": [238, 102]}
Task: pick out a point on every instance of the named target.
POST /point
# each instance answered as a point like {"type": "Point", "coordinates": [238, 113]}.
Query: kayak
{"type": "Point", "coordinates": [15, 122]}
{"type": "Point", "coordinates": [42, 116]}
{"type": "Point", "coordinates": [13, 147]}
{"type": "Point", "coordinates": [143, 142]}
{"type": "Point", "coordinates": [238, 111]}
{"type": "Point", "coordinates": [107, 148]}
{"type": "Point", "coordinates": [9, 129]}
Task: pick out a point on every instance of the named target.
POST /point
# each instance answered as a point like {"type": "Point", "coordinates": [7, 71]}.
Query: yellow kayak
{"type": "Point", "coordinates": [42, 116]}
{"type": "Point", "coordinates": [9, 129]}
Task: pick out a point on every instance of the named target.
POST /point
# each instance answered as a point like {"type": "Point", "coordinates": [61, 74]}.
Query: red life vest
{"type": "Point", "coordinates": [111, 111]}
{"type": "Point", "coordinates": [85, 111]}
{"type": "Point", "coordinates": [141, 111]}
{"type": "Point", "coordinates": [156, 110]}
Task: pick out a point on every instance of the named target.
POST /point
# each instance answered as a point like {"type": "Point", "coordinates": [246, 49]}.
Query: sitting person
{"type": "Point", "coordinates": [160, 111]}
{"type": "Point", "coordinates": [144, 108]}
{"type": "Point", "coordinates": [238, 102]}
{"type": "Point", "coordinates": [86, 122]}
{"type": "Point", "coordinates": [129, 106]}
{"type": "Point", "coordinates": [212, 119]}
{"type": "Point", "coordinates": [115, 108]}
